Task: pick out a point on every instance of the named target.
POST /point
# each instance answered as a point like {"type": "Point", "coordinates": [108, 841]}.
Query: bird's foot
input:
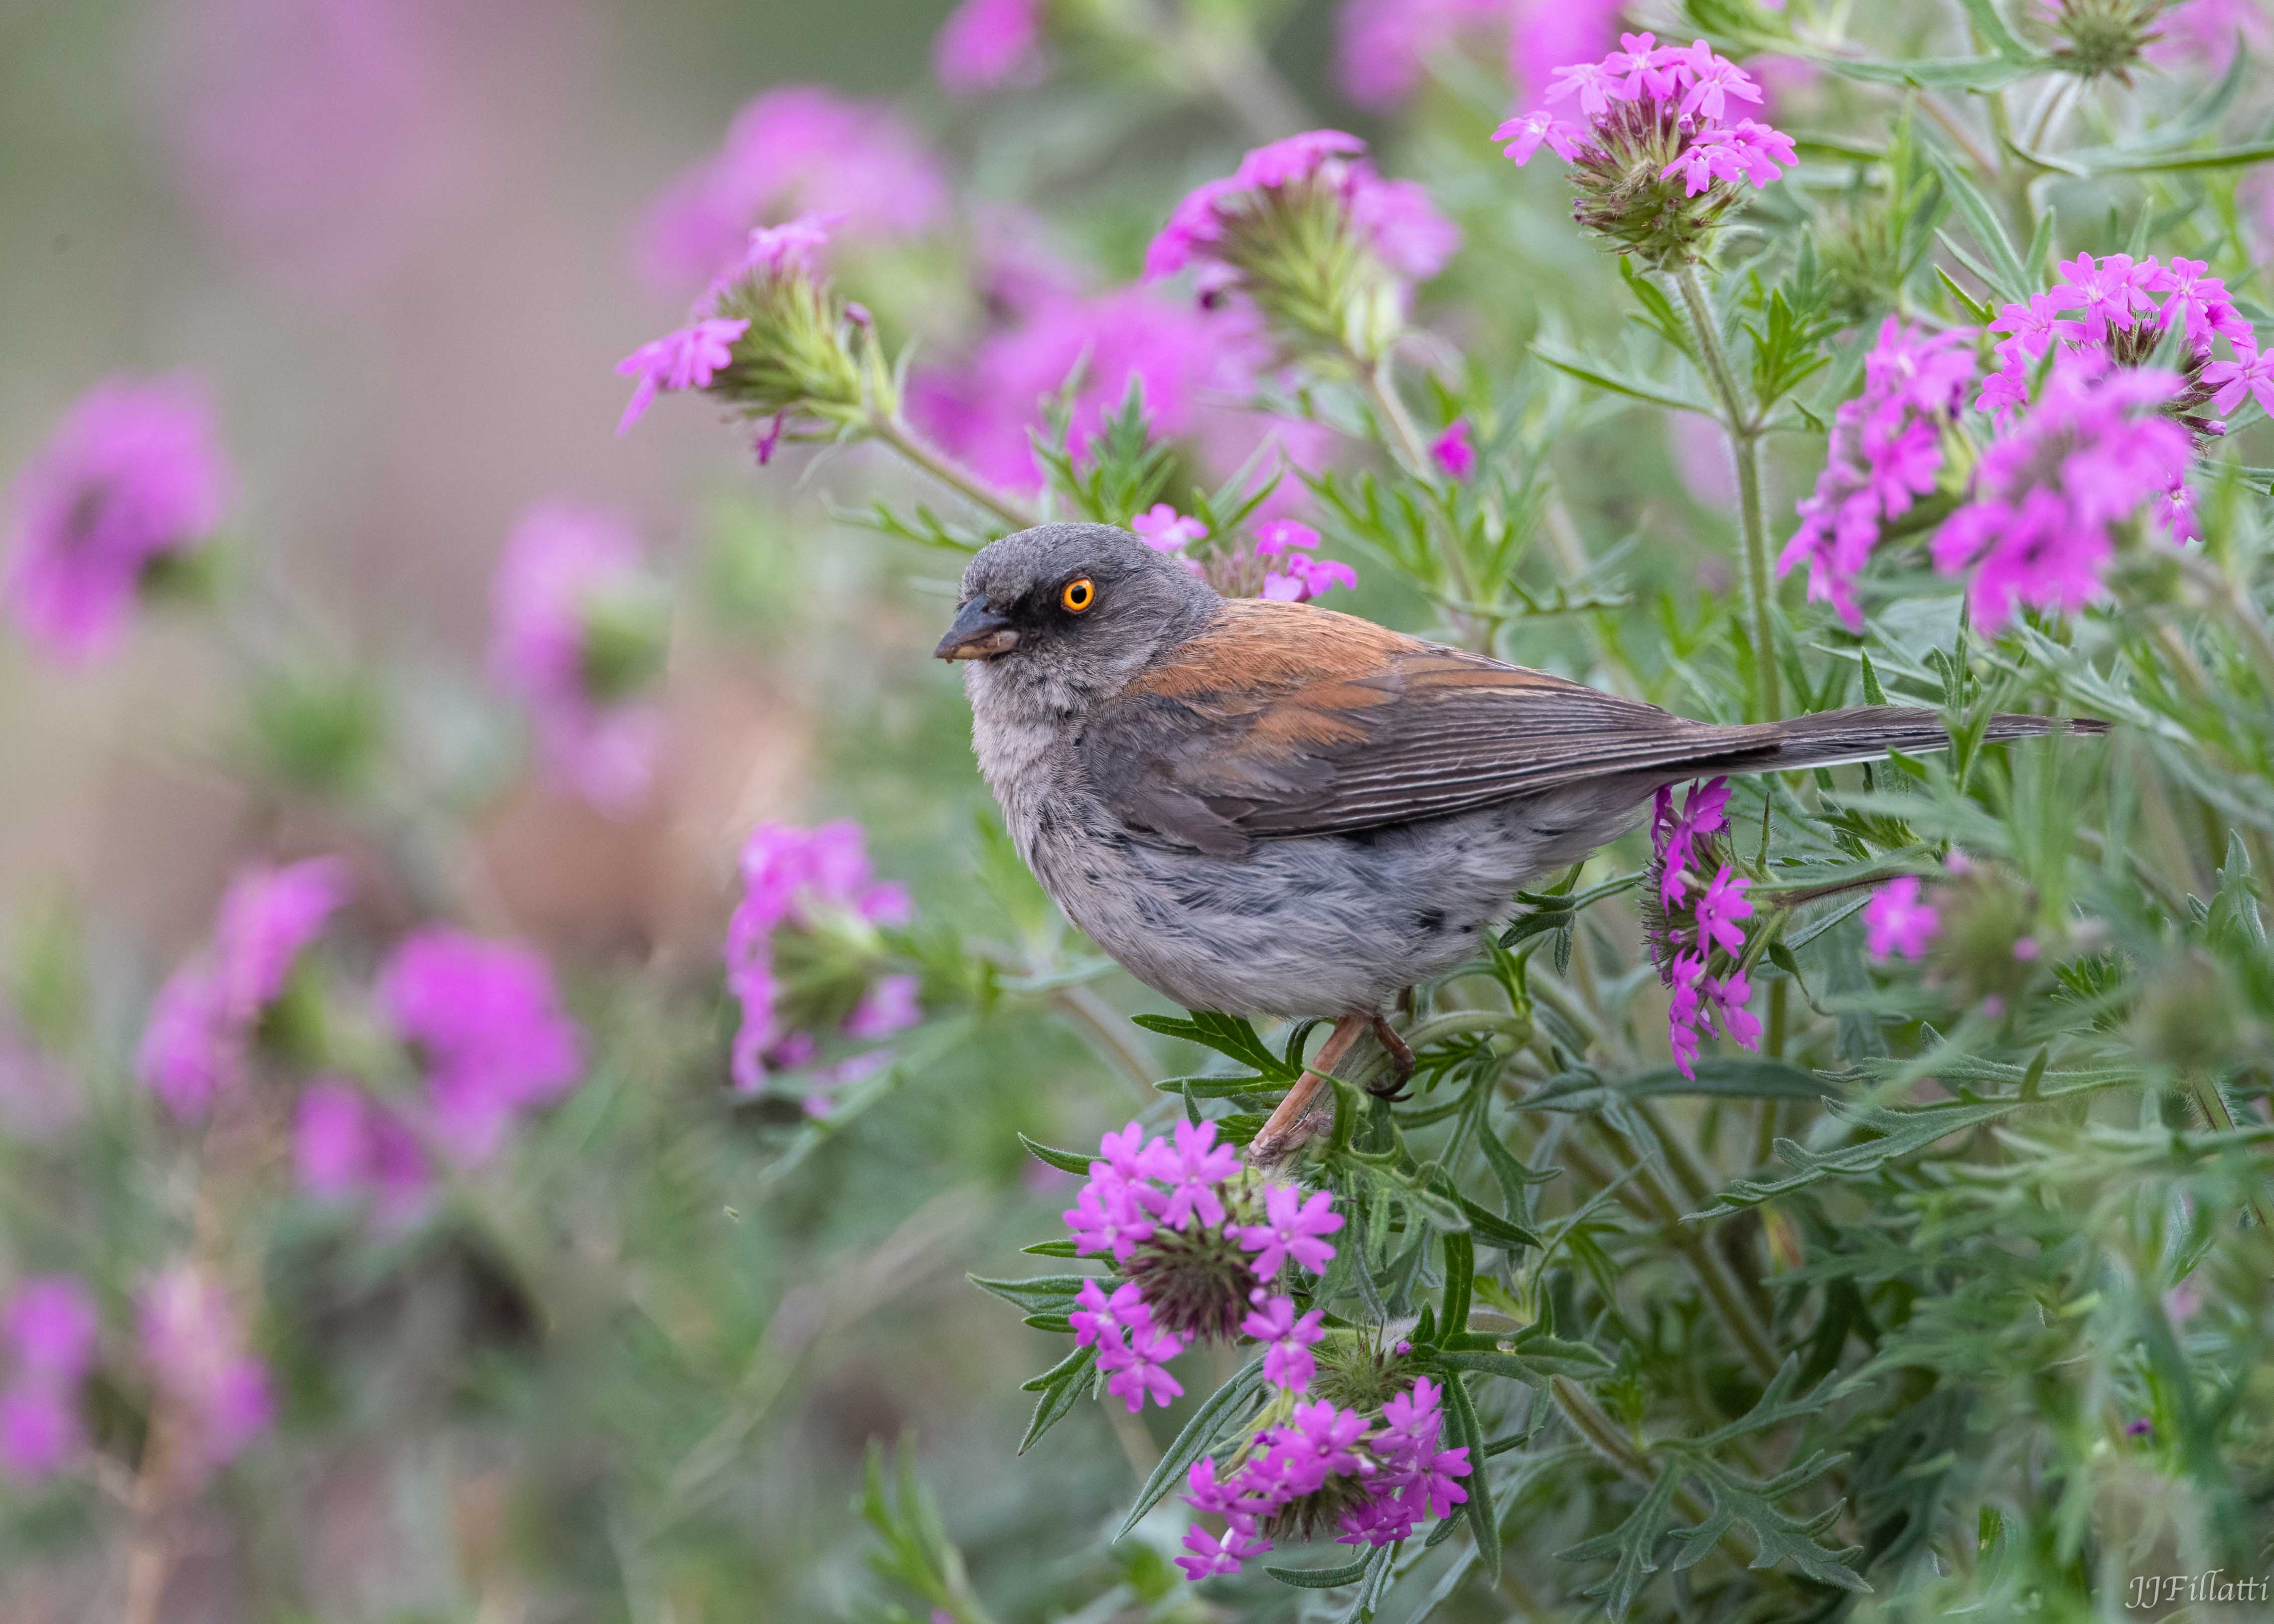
{"type": "Point", "coordinates": [1401, 1060]}
{"type": "Point", "coordinates": [1295, 1119]}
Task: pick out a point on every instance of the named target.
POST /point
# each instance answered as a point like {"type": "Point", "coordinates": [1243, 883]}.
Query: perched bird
{"type": "Point", "coordinates": [1271, 808]}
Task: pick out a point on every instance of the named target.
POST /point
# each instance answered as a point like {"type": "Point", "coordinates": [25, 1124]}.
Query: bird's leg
{"type": "Point", "coordinates": [1401, 1058]}
{"type": "Point", "coordinates": [1286, 1129]}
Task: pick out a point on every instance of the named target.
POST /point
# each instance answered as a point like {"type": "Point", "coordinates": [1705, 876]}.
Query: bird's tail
{"type": "Point", "coordinates": [1867, 733]}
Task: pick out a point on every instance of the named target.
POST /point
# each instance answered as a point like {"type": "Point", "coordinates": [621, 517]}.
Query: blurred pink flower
{"type": "Point", "coordinates": [2207, 31]}
{"type": "Point", "coordinates": [193, 1340]}
{"type": "Point", "coordinates": [49, 1325]}
{"type": "Point", "coordinates": [1164, 530]}
{"type": "Point", "coordinates": [130, 474]}
{"type": "Point", "coordinates": [687, 359]}
{"type": "Point", "coordinates": [795, 148]}
{"type": "Point", "coordinates": [486, 1021]}
{"type": "Point", "coordinates": [888, 1006]}
{"type": "Point", "coordinates": [984, 43]}
{"type": "Point", "coordinates": [1195, 366]}
{"type": "Point", "coordinates": [577, 634]}
{"type": "Point", "coordinates": [204, 1017]}
{"type": "Point", "coordinates": [329, 139]}
{"type": "Point", "coordinates": [38, 1431]}
{"type": "Point", "coordinates": [348, 1147]}
{"type": "Point", "coordinates": [1452, 452]}
{"type": "Point", "coordinates": [792, 877]}
{"type": "Point", "coordinates": [1896, 921]}
{"type": "Point", "coordinates": [1547, 33]}
{"type": "Point", "coordinates": [1381, 46]}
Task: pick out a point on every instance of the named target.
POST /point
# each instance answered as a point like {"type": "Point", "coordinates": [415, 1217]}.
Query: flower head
{"type": "Point", "coordinates": [486, 1022]}
{"type": "Point", "coordinates": [1318, 242]}
{"type": "Point", "coordinates": [686, 358]}
{"type": "Point", "coordinates": [1164, 530]}
{"type": "Point", "coordinates": [1896, 921]}
{"type": "Point", "coordinates": [1452, 452]}
{"type": "Point", "coordinates": [801, 147]}
{"type": "Point", "coordinates": [578, 628]}
{"type": "Point", "coordinates": [984, 43]}
{"type": "Point", "coordinates": [1655, 161]}
{"type": "Point", "coordinates": [203, 1020]}
{"type": "Point", "coordinates": [131, 476]}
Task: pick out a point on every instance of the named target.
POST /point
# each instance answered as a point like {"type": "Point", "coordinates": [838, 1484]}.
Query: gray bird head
{"type": "Point", "coordinates": [1055, 617]}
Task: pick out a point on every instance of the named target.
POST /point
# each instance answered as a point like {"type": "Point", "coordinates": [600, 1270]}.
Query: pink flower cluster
{"type": "Point", "coordinates": [201, 1025]}
{"type": "Point", "coordinates": [567, 575]}
{"type": "Point", "coordinates": [486, 1022]}
{"type": "Point", "coordinates": [1141, 1184]}
{"type": "Point", "coordinates": [794, 877]}
{"type": "Point", "coordinates": [350, 1147]}
{"type": "Point", "coordinates": [1391, 1474]}
{"type": "Point", "coordinates": [1381, 46]}
{"type": "Point", "coordinates": [986, 43]}
{"type": "Point", "coordinates": [1194, 364]}
{"type": "Point", "coordinates": [2095, 447]}
{"type": "Point", "coordinates": [49, 1329]}
{"type": "Point", "coordinates": [795, 148]}
{"type": "Point", "coordinates": [129, 476]}
{"type": "Point", "coordinates": [1887, 453]}
{"type": "Point", "coordinates": [1896, 921]}
{"type": "Point", "coordinates": [1393, 217]}
{"type": "Point", "coordinates": [1279, 567]}
{"type": "Point", "coordinates": [1688, 936]}
{"type": "Point", "coordinates": [1692, 85]}
{"type": "Point", "coordinates": [216, 1390]}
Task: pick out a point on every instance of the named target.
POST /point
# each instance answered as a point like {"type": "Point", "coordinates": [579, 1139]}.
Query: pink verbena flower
{"type": "Point", "coordinates": [130, 476]}
{"type": "Point", "coordinates": [1272, 234]}
{"type": "Point", "coordinates": [1293, 1227]}
{"type": "Point", "coordinates": [985, 43]}
{"type": "Point", "coordinates": [1288, 1361]}
{"type": "Point", "coordinates": [486, 1022]}
{"type": "Point", "coordinates": [1674, 838]}
{"type": "Point", "coordinates": [577, 632]}
{"type": "Point", "coordinates": [791, 150]}
{"type": "Point", "coordinates": [2250, 371]}
{"type": "Point", "coordinates": [1895, 920]}
{"type": "Point", "coordinates": [797, 877]}
{"type": "Point", "coordinates": [195, 1343]}
{"type": "Point", "coordinates": [688, 358]}
{"type": "Point", "coordinates": [1452, 452]}
{"type": "Point", "coordinates": [1654, 117]}
{"type": "Point", "coordinates": [202, 1021]}
{"type": "Point", "coordinates": [888, 1006]}
{"type": "Point", "coordinates": [348, 1147]}
{"type": "Point", "coordinates": [1164, 530]}
{"type": "Point", "coordinates": [2092, 450]}
{"type": "Point", "coordinates": [1132, 1350]}
{"type": "Point", "coordinates": [1718, 910]}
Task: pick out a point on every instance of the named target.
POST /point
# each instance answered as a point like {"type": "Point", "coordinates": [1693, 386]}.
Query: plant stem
{"type": "Point", "coordinates": [1408, 447]}
{"type": "Point", "coordinates": [1745, 431]}
{"type": "Point", "coordinates": [1087, 1011]}
{"type": "Point", "coordinates": [2213, 1105]}
{"type": "Point", "coordinates": [1604, 1436]}
{"type": "Point", "coordinates": [2056, 99]}
{"type": "Point", "coordinates": [896, 432]}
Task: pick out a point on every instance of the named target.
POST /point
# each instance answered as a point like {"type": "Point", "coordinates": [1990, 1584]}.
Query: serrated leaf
{"type": "Point", "coordinates": [1604, 375]}
{"type": "Point", "coordinates": [1199, 1436]}
{"type": "Point", "coordinates": [1726, 1076]}
{"type": "Point", "coordinates": [1064, 1161]}
{"type": "Point", "coordinates": [1224, 1034]}
{"type": "Point", "coordinates": [1461, 1424]}
{"type": "Point", "coordinates": [1631, 1545]}
{"type": "Point", "coordinates": [1044, 1294]}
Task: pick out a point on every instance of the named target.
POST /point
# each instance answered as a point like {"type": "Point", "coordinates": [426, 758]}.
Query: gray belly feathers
{"type": "Point", "coordinates": [1308, 925]}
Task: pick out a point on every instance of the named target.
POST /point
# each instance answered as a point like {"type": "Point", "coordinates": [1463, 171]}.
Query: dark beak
{"type": "Point", "coordinates": [979, 633]}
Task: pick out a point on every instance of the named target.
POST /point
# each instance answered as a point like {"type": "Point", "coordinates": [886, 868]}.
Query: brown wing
{"type": "Point", "coordinates": [1286, 719]}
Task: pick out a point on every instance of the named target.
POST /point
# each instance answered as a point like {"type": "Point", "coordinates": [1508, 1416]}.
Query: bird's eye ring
{"type": "Point", "coordinates": [1079, 595]}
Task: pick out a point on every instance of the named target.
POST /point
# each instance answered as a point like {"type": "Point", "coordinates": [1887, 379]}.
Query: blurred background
{"type": "Point", "coordinates": [630, 1369]}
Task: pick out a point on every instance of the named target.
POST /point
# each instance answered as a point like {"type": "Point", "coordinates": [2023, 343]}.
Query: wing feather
{"type": "Point", "coordinates": [1284, 719]}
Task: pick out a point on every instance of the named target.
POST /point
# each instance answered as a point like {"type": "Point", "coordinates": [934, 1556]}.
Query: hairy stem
{"type": "Point", "coordinates": [1744, 428]}
{"type": "Point", "coordinates": [1609, 1440]}
{"type": "Point", "coordinates": [896, 432]}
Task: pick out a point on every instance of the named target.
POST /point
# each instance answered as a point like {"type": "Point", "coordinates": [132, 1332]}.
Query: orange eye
{"type": "Point", "coordinates": [1079, 595]}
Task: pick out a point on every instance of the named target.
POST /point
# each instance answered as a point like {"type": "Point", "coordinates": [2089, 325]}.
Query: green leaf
{"type": "Point", "coordinates": [1199, 1436]}
{"type": "Point", "coordinates": [1044, 1294]}
{"type": "Point", "coordinates": [1531, 1363]}
{"type": "Point", "coordinates": [1461, 1419]}
{"type": "Point", "coordinates": [1604, 375]}
{"type": "Point", "coordinates": [2004, 263]}
{"type": "Point", "coordinates": [1322, 1578]}
{"type": "Point", "coordinates": [1064, 1161]}
{"type": "Point", "coordinates": [2117, 162]}
{"type": "Point", "coordinates": [1224, 1034]}
{"type": "Point", "coordinates": [1779, 1538]}
{"type": "Point", "coordinates": [1631, 1545]}
{"type": "Point", "coordinates": [1492, 1229]}
{"type": "Point", "coordinates": [1063, 1386]}
{"type": "Point", "coordinates": [1718, 1076]}
{"type": "Point", "coordinates": [1460, 1270]}
{"type": "Point", "coordinates": [1936, 72]}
